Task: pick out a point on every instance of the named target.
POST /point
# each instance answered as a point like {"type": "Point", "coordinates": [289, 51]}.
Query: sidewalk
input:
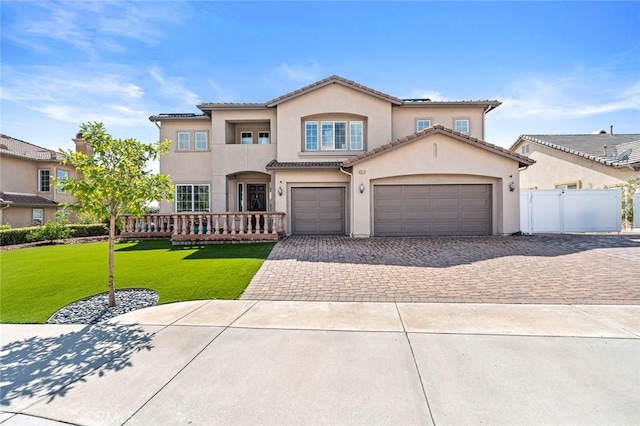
{"type": "Point", "coordinates": [290, 363]}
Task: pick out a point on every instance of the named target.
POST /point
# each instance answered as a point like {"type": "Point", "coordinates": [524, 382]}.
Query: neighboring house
{"type": "Point", "coordinates": [27, 193]}
{"type": "Point", "coordinates": [341, 158]}
{"type": "Point", "coordinates": [590, 161]}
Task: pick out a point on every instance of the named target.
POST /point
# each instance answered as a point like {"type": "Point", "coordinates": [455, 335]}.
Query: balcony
{"type": "Point", "coordinates": [190, 228]}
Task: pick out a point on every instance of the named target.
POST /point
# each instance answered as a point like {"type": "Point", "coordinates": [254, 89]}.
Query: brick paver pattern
{"type": "Point", "coordinates": [540, 269]}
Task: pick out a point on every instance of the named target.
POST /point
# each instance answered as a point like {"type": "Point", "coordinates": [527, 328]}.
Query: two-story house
{"type": "Point", "coordinates": [28, 195]}
{"type": "Point", "coordinates": [340, 158]}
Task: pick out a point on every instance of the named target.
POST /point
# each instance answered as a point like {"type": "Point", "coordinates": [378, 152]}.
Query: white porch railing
{"type": "Point", "coordinates": [209, 226]}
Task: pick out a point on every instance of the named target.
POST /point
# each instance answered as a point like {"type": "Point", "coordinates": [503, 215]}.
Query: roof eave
{"type": "Point", "coordinates": [439, 129]}
{"type": "Point", "coordinates": [221, 107]}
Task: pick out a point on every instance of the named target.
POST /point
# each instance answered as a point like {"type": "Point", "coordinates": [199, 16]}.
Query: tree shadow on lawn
{"type": "Point", "coordinates": [51, 366]}
{"type": "Point", "coordinates": [203, 251]}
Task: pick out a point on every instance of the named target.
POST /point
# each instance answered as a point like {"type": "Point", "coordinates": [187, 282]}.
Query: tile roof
{"type": "Point", "coordinates": [29, 200]}
{"type": "Point", "coordinates": [487, 104]}
{"type": "Point", "coordinates": [334, 79]}
{"type": "Point", "coordinates": [439, 129]}
{"type": "Point", "coordinates": [275, 164]}
{"type": "Point", "coordinates": [178, 116]}
{"type": "Point", "coordinates": [19, 148]}
{"type": "Point", "coordinates": [591, 146]}
{"type": "Point", "coordinates": [231, 105]}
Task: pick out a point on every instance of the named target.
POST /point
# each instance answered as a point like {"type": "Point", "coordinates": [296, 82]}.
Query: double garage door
{"type": "Point", "coordinates": [414, 210]}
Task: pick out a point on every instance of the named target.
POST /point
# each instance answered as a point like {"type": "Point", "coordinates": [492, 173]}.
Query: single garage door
{"type": "Point", "coordinates": [414, 210]}
{"type": "Point", "coordinates": [317, 211]}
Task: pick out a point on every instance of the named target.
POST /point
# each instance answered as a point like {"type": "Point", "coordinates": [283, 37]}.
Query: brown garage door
{"type": "Point", "coordinates": [414, 210]}
{"type": "Point", "coordinates": [317, 211]}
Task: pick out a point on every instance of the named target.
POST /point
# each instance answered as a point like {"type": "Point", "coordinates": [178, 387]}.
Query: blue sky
{"type": "Point", "coordinates": [558, 67]}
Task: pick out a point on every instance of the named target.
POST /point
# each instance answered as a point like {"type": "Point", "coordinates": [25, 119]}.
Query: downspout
{"type": "Point", "coordinates": [352, 200]}
{"type": "Point", "coordinates": [483, 115]}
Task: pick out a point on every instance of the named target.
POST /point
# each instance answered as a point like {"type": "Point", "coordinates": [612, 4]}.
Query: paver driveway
{"type": "Point", "coordinates": [565, 269]}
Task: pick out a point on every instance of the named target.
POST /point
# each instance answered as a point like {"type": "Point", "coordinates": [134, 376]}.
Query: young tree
{"type": "Point", "coordinates": [115, 181]}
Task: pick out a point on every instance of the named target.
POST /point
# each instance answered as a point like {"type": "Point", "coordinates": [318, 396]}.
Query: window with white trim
{"type": "Point", "coordinates": [334, 136]}
{"type": "Point", "coordinates": [184, 141]}
{"type": "Point", "coordinates": [263, 138]}
{"type": "Point", "coordinates": [61, 177]}
{"type": "Point", "coordinates": [192, 198]}
{"type": "Point", "coordinates": [461, 125]}
{"type": "Point", "coordinates": [311, 136]}
{"type": "Point", "coordinates": [246, 138]}
{"type": "Point", "coordinates": [37, 216]}
{"type": "Point", "coordinates": [44, 180]}
{"type": "Point", "coordinates": [422, 124]}
{"type": "Point", "coordinates": [356, 135]}
{"type": "Point", "coordinates": [201, 142]}
{"type": "Point", "coordinates": [525, 149]}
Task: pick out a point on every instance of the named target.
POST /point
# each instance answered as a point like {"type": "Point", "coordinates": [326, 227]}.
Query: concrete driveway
{"type": "Point", "coordinates": [555, 269]}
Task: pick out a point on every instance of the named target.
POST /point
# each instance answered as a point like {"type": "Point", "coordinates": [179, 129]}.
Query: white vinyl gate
{"type": "Point", "coordinates": [570, 210]}
{"type": "Point", "coordinates": [636, 210]}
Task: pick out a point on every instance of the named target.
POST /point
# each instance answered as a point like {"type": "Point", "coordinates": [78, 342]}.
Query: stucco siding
{"type": "Point", "coordinates": [404, 119]}
{"type": "Point", "coordinates": [439, 159]}
{"type": "Point", "coordinates": [555, 167]}
{"type": "Point", "coordinates": [332, 99]}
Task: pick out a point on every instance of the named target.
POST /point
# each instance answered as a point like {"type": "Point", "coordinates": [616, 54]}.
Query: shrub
{"type": "Point", "coordinates": [49, 232]}
{"type": "Point", "coordinates": [90, 230]}
{"type": "Point", "coordinates": [15, 236]}
{"type": "Point", "coordinates": [4, 227]}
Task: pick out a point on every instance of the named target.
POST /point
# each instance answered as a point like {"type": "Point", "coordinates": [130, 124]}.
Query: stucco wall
{"type": "Point", "coordinates": [404, 119]}
{"type": "Point", "coordinates": [337, 99]}
{"type": "Point", "coordinates": [555, 167]}
{"type": "Point", "coordinates": [20, 217]}
{"type": "Point", "coordinates": [439, 159]}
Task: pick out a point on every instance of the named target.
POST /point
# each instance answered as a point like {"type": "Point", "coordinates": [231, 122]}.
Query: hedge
{"type": "Point", "coordinates": [19, 235]}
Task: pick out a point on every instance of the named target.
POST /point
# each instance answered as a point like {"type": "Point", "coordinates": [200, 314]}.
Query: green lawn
{"type": "Point", "coordinates": [36, 282]}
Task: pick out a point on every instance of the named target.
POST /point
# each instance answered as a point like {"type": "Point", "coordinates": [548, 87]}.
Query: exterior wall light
{"type": "Point", "coordinates": [280, 190]}
{"type": "Point", "coordinates": [362, 188]}
{"type": "Point", "coordinates": [512, 186]}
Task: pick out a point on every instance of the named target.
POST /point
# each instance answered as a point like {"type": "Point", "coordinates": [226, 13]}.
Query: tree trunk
{"type": "Point", "coordinates": [112, 238]}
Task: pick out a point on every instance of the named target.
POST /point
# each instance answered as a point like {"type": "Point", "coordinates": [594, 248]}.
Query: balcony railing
{"type": "Point", "coordinates": [185, 228]}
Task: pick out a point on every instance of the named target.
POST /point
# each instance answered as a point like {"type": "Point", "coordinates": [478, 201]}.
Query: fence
{"type": "Point", "coordinates": [571, 210]}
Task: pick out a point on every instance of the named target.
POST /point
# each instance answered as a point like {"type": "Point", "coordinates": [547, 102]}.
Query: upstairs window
{"type": "Point", "coordinates": [201, 141]}
{"type": "Point", "coordinates": [461, 125]}
{"type": "Point", "coordinates": [246, 138]}
{"type": "Point", "coordinates": [44, 180]}
{"type": "Point", "coordinates": [192, 198]}
{"type": "Point", "coordinates": [356, 135]}
{"type": "Point", "coordinates": [525, 149]}
{"type": "Point", "coordinates": [184, 141]}
{"type": "Point", "coordinates": [334, 135]}
{"type": "Point", "coordinates": [263, 138]}
{"type": "Point", "coordinates": [61, 177]}
{"type": "Point", "coordinates": [422, 124]}
{"type": "Point", "coordinates": [311, 136]}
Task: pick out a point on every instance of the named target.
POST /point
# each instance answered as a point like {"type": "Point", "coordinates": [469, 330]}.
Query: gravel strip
{"type": "Point", "coordinates": [95, 310]}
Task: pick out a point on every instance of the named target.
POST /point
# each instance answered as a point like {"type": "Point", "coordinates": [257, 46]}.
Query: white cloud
{"type": "Point", "coordinates": [577, 95]}
{"type": "Point", "coordinates": [173, 88]}
{"type": "Point", "coordinates": [90, 26]}
{"type": "Point", "coordinates": [305, 73]}
{"type": "Point", "coordinates": [425, 94]}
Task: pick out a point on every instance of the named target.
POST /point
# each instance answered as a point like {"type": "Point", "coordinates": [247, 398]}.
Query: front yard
{"type": "Point", "coordinates": [36, 282]}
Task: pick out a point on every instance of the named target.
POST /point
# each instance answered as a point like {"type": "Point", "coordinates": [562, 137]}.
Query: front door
{"type": "Point", "coordinates": [257, 197]}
